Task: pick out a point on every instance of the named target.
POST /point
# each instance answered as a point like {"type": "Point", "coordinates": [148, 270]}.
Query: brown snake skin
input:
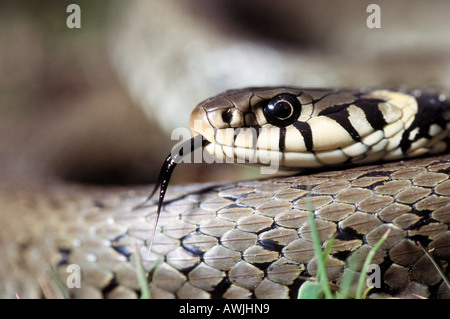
{"type": "Point", "coordinates": [236, 240]}
{"type": "Point", "coordinates": [243, 240]}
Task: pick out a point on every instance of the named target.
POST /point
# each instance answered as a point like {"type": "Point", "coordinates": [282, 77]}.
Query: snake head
{"type": "Point", "coordinates": [302, 128]}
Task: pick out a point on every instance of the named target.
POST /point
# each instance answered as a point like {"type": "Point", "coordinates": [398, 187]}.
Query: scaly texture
{"type": "Point", "coordinates": [249, 239]}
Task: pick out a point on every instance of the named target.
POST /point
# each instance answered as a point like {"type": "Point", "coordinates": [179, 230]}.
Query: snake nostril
{"type": "Point", "coordinates": [227, 115]}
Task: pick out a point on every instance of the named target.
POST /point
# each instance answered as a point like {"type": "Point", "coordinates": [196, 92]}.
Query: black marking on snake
{"type": "Point", "coordinates": [123, 250]}
{"type": "Point", "coordinates": [384, 288]}
{"type": "Point", "coordinates": [376, 174]}
{"type": "Point", "coordinates": [304, 187]}
{"type": "Point", "coordinates": [347, 234]}
{"type": "Point", "coordinates": [270, 244]}
{"type": "Point", "coordinates": [348, 161]}
{"type": "Point", "coordinates": [64, 254]}
{"type": "Point", "coordinates": [424, 240]}
{"type": "Point", "coordinates": [305, 130]}
{"type": "Point", "coordinates": [426, 218]}
{"type": "Point", "coordinates": [221, 288]}
{"type": "Point", "coordinates": [340, 114]}
{"type": "Point", "coordinates": [110, 287]}
{"type": "Point", "coordinates": [372, 112]}
{"type": "Point", "coordinates": [295, 286]}
{"type": "Point", "coordinates": [191, 246]}
{"type": "Point", "coordinates": [430, 111]}
{"type": "Point", "coordinates": [342, 255]}
{"type": "Point", "coordinates": [227, 115]}
{"type": "Point", "coordinates": [445, 170]}
{"type": "Point", "coordinates": [262, 266]}
{"type": "Point", "coordinates": [435, 290]}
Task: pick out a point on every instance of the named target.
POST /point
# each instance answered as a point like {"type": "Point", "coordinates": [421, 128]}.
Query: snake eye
{"type": "Point", "coordinates": [282, 110]}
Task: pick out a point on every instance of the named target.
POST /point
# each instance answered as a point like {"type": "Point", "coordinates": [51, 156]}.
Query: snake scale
{"type": "Point", "coordinates": [252, 239]}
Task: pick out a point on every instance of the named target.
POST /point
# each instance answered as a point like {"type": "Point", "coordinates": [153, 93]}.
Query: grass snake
{"type": "Point", "coordinates": [252, 239]}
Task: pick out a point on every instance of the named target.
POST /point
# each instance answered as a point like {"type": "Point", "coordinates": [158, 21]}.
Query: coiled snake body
{"type": "Point", "coordinates": [252, 238]}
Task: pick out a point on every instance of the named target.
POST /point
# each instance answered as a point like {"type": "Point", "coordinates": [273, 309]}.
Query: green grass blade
{"type": "Point", "coordinates": [364, 296]}
{"type": "Point", "coordinates": [310, 290]}
{"type": "Point", "coordinates": [321, 264]}
{"type": "Point", "coordinates": [346, 282]}
{"type": "Point", "coordinates": [367, 262]}
{"type": "Point", "coordinates": [327, 250]}
{"type": "Point", "coordinates": [59, 283]}
{"type": "Point", "coordinates": [141, 275]}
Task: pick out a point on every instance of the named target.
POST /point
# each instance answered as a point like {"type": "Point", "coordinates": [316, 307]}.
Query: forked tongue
{"type": "Point", "coordinates": [166, 172]}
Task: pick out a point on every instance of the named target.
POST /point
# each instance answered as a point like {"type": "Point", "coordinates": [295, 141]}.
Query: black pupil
{"type": "Point", "coordinates": [282, 110]}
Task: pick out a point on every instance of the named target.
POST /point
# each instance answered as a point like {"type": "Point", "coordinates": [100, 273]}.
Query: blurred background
{"type": "Point", "coordinates": [97, 105]}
